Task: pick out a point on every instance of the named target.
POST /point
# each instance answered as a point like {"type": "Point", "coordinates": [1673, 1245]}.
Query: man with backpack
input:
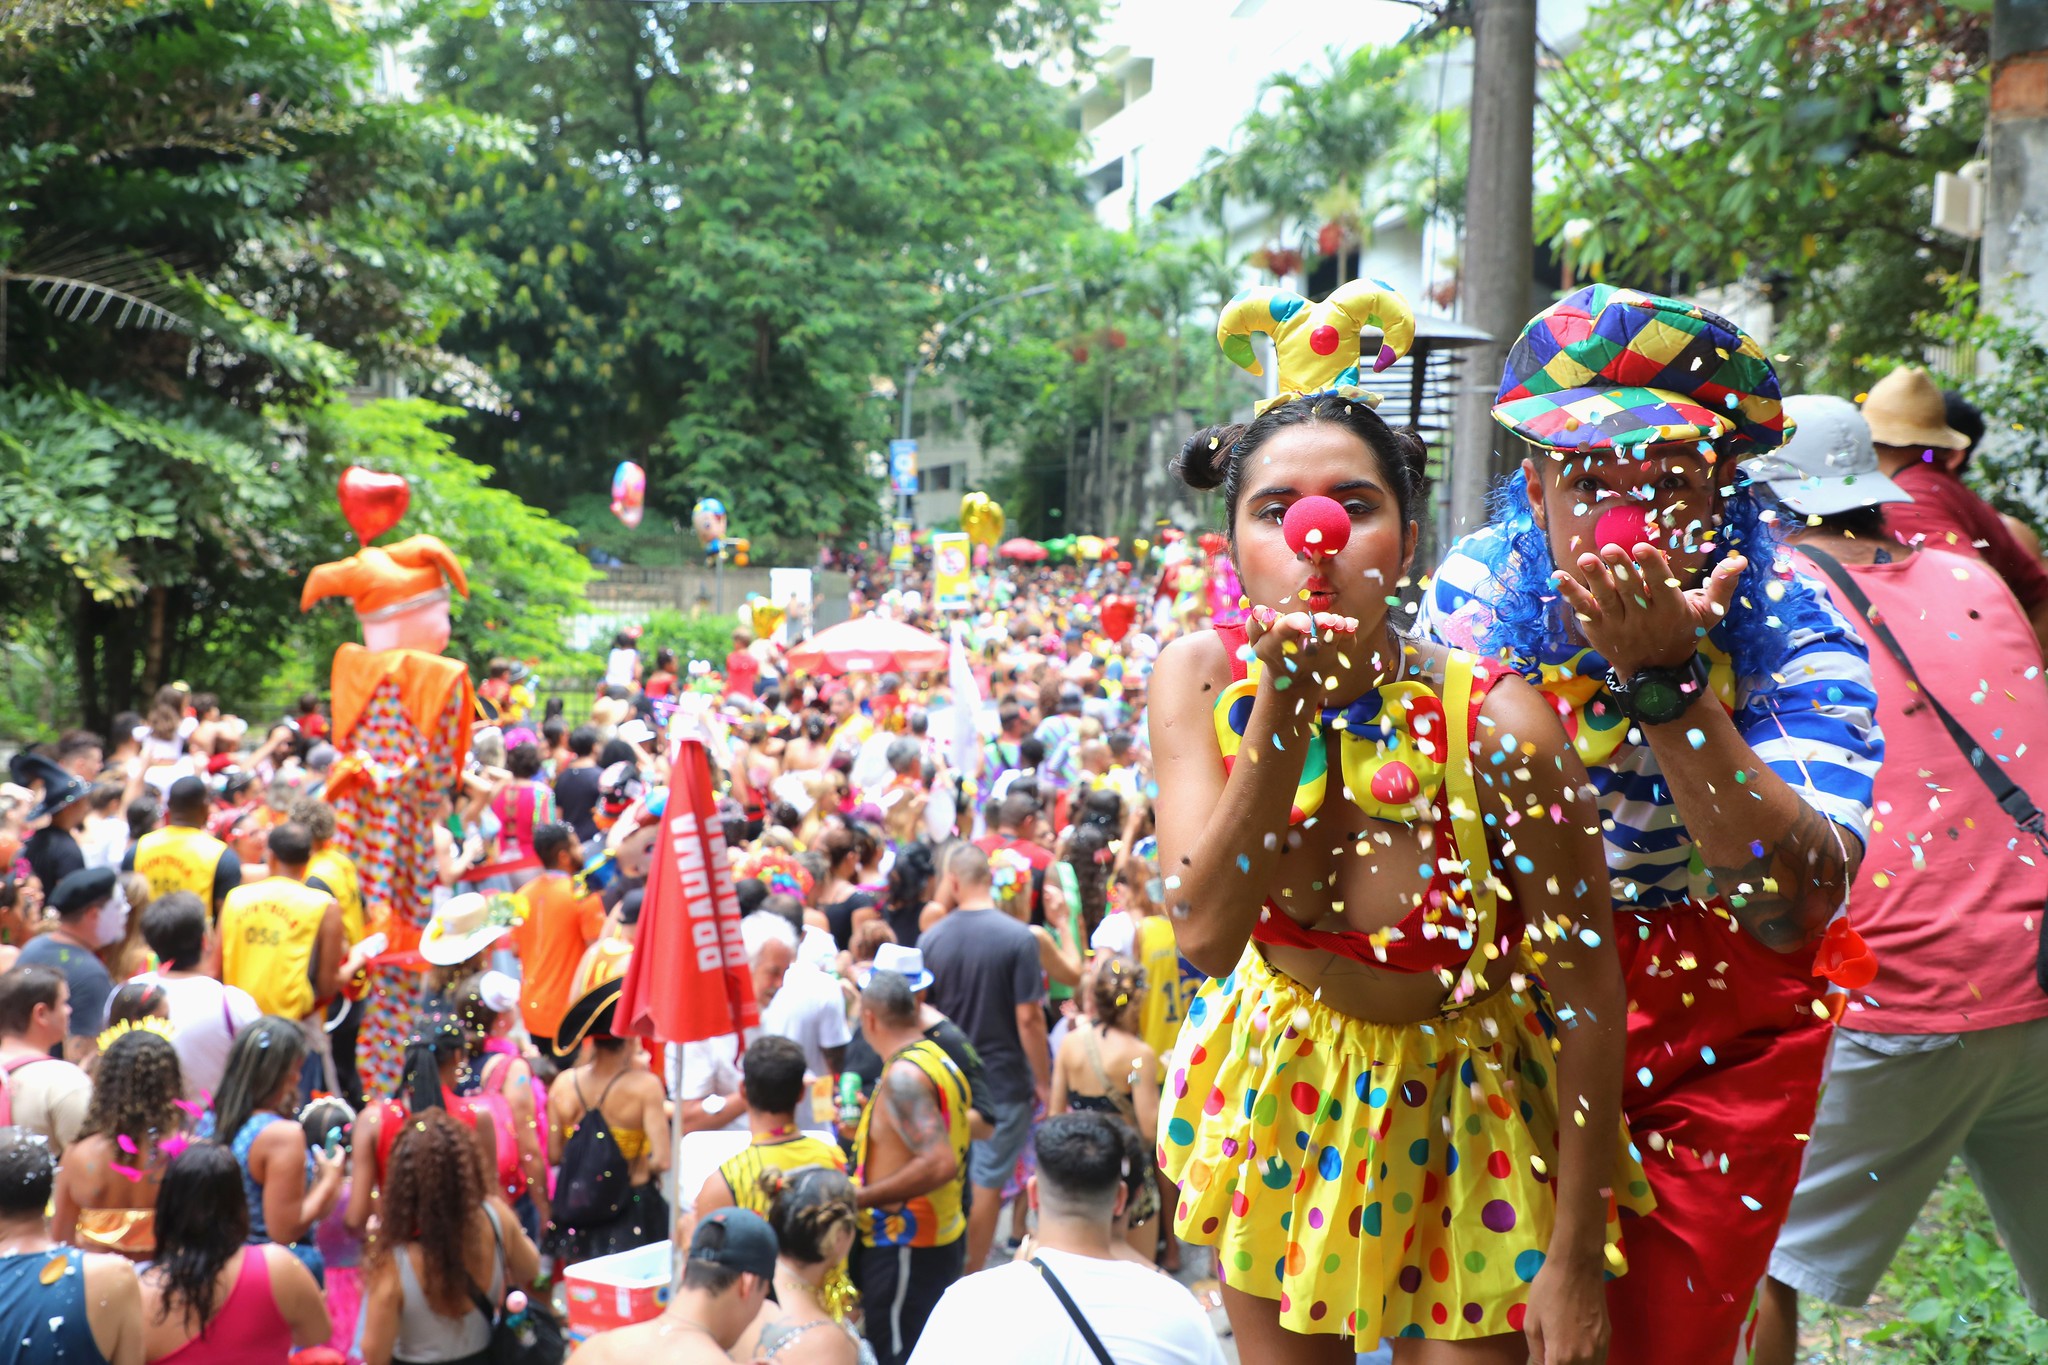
{"type": "Point", "coordinates": [39, 1092]}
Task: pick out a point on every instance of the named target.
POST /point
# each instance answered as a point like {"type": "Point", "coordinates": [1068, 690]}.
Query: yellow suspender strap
{"type": "Point", "coordinates": [1468, 825]}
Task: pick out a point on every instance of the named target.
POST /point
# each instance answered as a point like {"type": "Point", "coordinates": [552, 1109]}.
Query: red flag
{"type": "Point", "coordinates": [688, 979]}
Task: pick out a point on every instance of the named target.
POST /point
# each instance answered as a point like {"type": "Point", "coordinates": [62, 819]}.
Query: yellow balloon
{"type": "Point", "coordinates": [1142, 546]}
{"type": "Point", "coordinates": [1088, 548]}
{"type": "Point", "coordinates": [767, 618]}
{"type": "Point", "coordinates": [982, 518]}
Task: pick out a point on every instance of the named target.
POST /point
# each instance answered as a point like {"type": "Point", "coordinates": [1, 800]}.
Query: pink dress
{"type": "Point", "coordinates": [247, 1329]}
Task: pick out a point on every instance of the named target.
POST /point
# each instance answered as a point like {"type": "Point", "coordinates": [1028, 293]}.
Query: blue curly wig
{"type": "Point", "coordinates": [1529, 623]}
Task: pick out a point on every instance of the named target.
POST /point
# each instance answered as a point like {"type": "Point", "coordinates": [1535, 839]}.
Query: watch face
{"type": "Point", "coordinates": [1656, 697]}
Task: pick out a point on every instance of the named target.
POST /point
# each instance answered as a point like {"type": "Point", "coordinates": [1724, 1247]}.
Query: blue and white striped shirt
{"type": "Point", "coordinates": [1813, 721]}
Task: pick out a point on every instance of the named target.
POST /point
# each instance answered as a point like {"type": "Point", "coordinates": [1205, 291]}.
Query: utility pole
{"type": "Point", "coordinates": [2016, 209]}
{"type": "Point", "coordinates": [1500, 249]}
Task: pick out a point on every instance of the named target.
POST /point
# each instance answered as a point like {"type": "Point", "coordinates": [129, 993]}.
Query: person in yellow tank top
{"type": "Point", "coordinates": [182, 856]}
{"type": "Point", "coordinates": [772, 1082]}
{"type": "Point", "coordinates": [910, 1158]}
{"type": "Point", "coordinates": [282, 941]}
{"type": "Point", "coordinates": [334, 872]}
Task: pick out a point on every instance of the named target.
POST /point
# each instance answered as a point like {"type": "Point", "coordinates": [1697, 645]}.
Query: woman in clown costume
{"type": "Point", "coordinates": [1384, 852]}
{"type": "Point", "coordinates": [1726, 714]}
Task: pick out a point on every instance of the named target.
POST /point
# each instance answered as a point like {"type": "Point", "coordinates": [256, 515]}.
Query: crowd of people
{"type": "Point", "coordinates": [1457, 963]}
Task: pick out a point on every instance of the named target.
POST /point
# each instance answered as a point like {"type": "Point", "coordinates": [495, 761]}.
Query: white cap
{"type": "Point", "coordinates": [498, 991]}
{"type": "Point", "coordinates": [1828, 465]}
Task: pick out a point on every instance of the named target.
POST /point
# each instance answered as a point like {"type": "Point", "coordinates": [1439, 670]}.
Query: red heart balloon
{"type": "Point", "coordinates": [372, 502]}
{"type": "Point", "coordinates": [1117, 615]}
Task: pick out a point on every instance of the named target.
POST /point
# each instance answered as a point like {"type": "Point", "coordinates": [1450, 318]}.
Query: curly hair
{"type": "Point", "coordinates": [135, 1090]}
{"type": "Point", "coordinates": [1115, 989]}
{"type": "Point", "coordinates": [201, 1222]}
{"type": "Point", "coordinates": [433, 1187]}
{"type": "Point", "coordinates": [1529, 615]}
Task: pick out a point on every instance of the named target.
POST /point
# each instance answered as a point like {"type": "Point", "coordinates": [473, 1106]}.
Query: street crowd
{"type": "Point", "coordinates": [1449, 953]}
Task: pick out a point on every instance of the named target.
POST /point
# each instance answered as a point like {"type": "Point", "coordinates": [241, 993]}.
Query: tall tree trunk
{"type": "Point", "coordinates": [85, 657]}
{"type": "Point", "coordinates": [153, 674]}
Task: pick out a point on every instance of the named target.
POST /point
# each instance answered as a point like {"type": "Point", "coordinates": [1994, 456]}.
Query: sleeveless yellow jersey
{"type": "Point", "coordinates": [743, 1172]}
{"type": "Point", "coordinates": [934, 1219]}
{"type": "Point", "coordinates": [1167, 989]}
{"type": "Point", "coordinates": [179, 858]}
{"type": "Point", "coordinates": [338, 873]}
{"type": "Point", "coordinates": [268, 932]}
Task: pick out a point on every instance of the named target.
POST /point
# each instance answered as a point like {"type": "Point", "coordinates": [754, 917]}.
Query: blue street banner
{"type": "Point", "coordinates": [902, 468]}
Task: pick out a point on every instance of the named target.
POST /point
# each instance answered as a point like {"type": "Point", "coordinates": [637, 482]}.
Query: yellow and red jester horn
{"type": "Point", "coordinates": [1316, 344]}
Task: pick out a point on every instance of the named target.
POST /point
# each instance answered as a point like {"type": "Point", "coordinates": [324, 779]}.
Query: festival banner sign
{"type": "Point", "coordinates": [899, 548]}
{"type": "Point", "coordinates": [953, 570]}
{"type": "Point", "coordinates": [688, 979]}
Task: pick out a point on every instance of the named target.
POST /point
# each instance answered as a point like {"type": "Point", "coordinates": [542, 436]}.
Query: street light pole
{"type": "Point", "coordinates": [906, 503]}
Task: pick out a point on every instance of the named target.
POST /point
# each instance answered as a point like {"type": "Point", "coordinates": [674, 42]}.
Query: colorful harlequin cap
{"type": "Point", "coordinates": [1315, 345]}
{"type": "Point", "coordinates": [1608, 368]}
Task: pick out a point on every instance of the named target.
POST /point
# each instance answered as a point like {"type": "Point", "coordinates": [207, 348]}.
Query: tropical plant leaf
{"type": "Point", "coordinates": [85, 284]}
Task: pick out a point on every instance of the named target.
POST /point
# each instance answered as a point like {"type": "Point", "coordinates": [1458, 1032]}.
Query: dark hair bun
{"type": "Point", "coordinates": [1414, 455]}
{"type": "Point", "coordinates": [1205, 458]}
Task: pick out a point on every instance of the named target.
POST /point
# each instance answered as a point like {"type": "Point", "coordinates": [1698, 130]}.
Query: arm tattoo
{"type": "Point", "coordinates": [913, 1109]}
{"type": "Point", "coordinates": [1782, 895]}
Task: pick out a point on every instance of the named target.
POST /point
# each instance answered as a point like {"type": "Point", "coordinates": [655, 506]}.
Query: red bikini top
{"type": "Point", "coordinates": [1437, 935]}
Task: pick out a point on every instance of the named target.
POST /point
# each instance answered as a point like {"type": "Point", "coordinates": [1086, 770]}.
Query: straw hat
{"type": "Point", "coordinates": [464, 926]}
{"type": "Point", "coordinates": [1905, 408]}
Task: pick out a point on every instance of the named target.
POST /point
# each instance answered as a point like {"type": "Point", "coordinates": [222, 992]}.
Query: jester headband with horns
{"type": "Point", "coordinates": [1315, 345]}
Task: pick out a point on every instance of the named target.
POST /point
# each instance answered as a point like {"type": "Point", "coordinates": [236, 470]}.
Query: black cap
{"type": "Point", "coordinates": [738, 1239]}
{"type": "Point", "coordinates": [82, 890]}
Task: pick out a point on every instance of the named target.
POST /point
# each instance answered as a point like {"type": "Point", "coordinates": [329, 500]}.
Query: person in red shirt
{"type": "Point", "coordinates": [1016, 819]}
{"type": "Point", "coordinates": [1941, 1054]}
{"type": "Point", "coordinates": [558, 927]}
{"type": "Point", "coordinates": [742, 669]}
{"type": "Point", "coordinates": [1924, 455]}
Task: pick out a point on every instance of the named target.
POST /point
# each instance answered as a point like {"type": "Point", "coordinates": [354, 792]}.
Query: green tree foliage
{"type": "Point", "coordinates": [1072, 380]}
{"type": "Point", "coordinates": [756, 211]}
{"type": "Point", "coordinates": [1791, 146]}
{"type": "Point", "coordinates": [213, 229]}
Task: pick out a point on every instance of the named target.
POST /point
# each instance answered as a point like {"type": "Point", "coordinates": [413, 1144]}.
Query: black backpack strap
{"type": "Point", "coordinates": [1059, 1291]}
{"type": "Point", "coordinates": [2010, 797]}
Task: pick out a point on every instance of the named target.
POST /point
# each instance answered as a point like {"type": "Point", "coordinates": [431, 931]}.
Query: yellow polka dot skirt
{"type": "Point", "coordinates": [1377, 1179]}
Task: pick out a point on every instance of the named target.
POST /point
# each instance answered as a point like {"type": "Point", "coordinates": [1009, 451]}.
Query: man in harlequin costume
{"type": "Point", "coordinates": [1725, 713]}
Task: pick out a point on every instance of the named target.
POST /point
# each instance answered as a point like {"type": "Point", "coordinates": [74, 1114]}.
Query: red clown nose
{"type": "Point", "coordinates": [1316, 526]}
{"type": "Point", "coordinates": [1624, 527]}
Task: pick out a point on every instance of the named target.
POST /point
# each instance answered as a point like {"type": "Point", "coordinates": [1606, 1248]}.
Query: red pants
{"type": "Point", "coordinates": [1723, 1074]}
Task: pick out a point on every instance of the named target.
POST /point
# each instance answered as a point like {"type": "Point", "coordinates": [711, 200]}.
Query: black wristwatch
{"type": "Point", "coordinates": [1658, 696]}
